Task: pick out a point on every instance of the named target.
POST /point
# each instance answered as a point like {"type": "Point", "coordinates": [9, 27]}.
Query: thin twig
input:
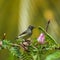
{"type": "Point", "coordinates": [47, 25]}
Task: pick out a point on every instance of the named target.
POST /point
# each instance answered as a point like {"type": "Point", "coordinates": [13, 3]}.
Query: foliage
{"type": "Point", "coordinates": [32, 49]}
{"type": "Point", "coordinates": [54, 56]}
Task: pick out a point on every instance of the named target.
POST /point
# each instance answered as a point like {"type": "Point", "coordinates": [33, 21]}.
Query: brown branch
{"type": "Point", "coordinates": [47, 25]}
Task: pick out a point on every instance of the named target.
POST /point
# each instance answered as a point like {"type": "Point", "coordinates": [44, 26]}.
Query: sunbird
{"type": "Point", "coordinates": [27, 33]}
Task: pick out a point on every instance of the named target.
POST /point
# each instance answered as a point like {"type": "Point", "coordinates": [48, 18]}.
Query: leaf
{"type": "Point", "coordinates": [15, 51]}
{"type": "Point", "coordinates": [27, 56]}
{"type": "Point", "coordinates": [54, 56]}
{"type": "Point", "coordinates": [6, 44]}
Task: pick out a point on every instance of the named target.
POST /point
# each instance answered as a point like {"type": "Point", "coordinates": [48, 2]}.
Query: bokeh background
{"type": "Point", "coordinates": [17, 15]}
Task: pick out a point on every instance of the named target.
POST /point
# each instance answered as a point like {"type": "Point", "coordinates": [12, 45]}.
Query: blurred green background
{"type": "Point", "coordinates": [17, 15]}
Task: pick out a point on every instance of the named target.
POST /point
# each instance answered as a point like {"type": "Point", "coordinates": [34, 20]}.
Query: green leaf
{"type": "Point", "coordinates": [54, 56]}
{"type": "Point", "coordinates": [6, 44]}
{"type": "Point", "coordinates": [15, 51]}
{"type": "Point", "coordinates": [27, 56]}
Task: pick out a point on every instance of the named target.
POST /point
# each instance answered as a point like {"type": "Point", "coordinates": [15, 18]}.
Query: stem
{"type": "Point", "coordinates": [47, 25]}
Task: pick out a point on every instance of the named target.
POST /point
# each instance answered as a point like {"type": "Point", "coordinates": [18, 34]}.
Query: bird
{"type": "Point", "coordinates": [27, 33]}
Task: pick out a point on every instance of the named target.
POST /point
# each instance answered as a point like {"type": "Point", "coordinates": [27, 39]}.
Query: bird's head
{"type": "Point", "coordinates": [31, 27]}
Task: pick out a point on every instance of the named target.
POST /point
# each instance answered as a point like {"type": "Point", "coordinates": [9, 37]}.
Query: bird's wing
{"type": "Point", "coordinates": [22, 33]}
